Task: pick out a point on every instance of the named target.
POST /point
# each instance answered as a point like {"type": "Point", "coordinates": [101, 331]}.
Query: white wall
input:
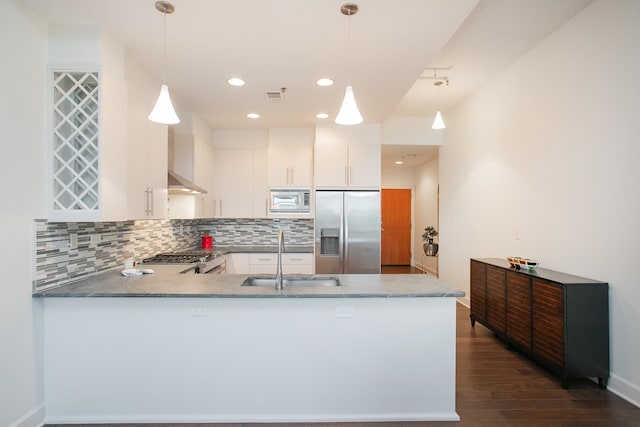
{"type": "Point", "coordinates": [426, 206]}
{"type": "Point", "coordinates": [22, 119]}
{"type": "Point", "coordinates": [542, 162]}
{"type": "Point", "coordinates": [398, 177]}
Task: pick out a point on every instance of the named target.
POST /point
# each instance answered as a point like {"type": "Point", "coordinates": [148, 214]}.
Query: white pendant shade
{"type": "Point", "coordinates": [163, 112]}
{"type": "Point", "coordinates": [438, 123]}
{"type": "Point", "coordinates": [349, 113]}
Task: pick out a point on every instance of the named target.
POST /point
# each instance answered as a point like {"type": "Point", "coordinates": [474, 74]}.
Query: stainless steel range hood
{"type": "Point", "coordinates": [180, 185]}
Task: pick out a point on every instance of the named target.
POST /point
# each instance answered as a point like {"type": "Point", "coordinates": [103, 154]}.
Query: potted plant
{"type": "Point", "coordinates": [430, 248]}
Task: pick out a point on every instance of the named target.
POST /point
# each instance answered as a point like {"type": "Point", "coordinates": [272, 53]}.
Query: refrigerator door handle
{"type": "Point", "coordinates": [344, 238]}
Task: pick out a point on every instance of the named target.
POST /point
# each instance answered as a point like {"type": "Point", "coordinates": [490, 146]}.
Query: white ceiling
{"type": "Point", "coordinates": [410, 155]}
{"type": "Point", "coordinates": [291, 43]}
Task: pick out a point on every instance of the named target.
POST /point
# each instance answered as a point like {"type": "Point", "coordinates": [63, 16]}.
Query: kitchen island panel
{"type": "Point", "coordinates": [249, 359]}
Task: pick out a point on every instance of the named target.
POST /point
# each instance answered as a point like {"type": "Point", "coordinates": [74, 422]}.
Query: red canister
{"type": "Point", "coordinates": [207, 241]}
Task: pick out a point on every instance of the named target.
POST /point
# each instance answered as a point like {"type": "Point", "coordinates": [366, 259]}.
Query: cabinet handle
{"type": "Point", "coordinates": [295, 259]}
{"type": "Point", "coordinates": [349, 176]}
{"type": "Point", "coordinates": [148, 195]}
{"type": "Point", "coordinates": [220, 207]}
{"type": "Point", "coordinates": [346, 178]}
{"type": "Point", "coordinates": [146, 201]}
{"type": "Point", "coordinates": [291, 176]}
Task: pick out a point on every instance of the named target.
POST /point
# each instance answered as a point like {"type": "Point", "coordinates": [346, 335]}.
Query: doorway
{"type": "Point", "coordinates": [396, 227]}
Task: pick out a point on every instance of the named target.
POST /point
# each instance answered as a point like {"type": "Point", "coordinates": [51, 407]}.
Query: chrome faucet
{"type": "Point", "coordinates": [279, 282]}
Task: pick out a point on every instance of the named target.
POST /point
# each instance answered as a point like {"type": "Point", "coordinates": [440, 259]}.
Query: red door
{"type": "Point", "coordinates": [396, 227]}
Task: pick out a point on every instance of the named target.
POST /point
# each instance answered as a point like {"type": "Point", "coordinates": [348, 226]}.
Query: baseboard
{"type": "Point", "coordinates": [426, 269]}
{"type": "Point", "coordinates": [265, 418]}
{"type": "Point", "coordinates": [33, 418]}
{"type": "Point", "coordinates": [464, 301]}
{"type": "Point", "coordinates": [624, 389]}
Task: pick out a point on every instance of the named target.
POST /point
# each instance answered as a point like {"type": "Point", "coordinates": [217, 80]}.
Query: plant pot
{"type": "Point", "coordinates": [430, 248]}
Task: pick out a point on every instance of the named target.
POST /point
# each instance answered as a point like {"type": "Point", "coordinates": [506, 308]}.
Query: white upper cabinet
{"type": "Point", "coordinates": [108, 162]}
{"type": "Point", "coordinates": [234, 191]}
{"type": "Point", "coordinates": [87, 177]}
{"type": "Point", "coordinates": [205, 176]}
{"type": "Point", "coordinates": [241, 173]}
{"type": "Point", "coordinates": [146, 149]}
{"type": "Point", "coordinates": [290, 157]}
{"type": "Point", "coordinates": [348, 157]}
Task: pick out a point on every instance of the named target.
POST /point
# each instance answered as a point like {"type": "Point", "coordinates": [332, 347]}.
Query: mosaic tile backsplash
{"type": "Point", "coordinates": [68, 252]}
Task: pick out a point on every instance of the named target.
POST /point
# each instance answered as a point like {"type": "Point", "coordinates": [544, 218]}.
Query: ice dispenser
{"type": "Point", "coordinates": [330, 241]}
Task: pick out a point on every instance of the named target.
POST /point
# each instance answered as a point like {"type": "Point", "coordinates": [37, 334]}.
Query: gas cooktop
{"type": "Point", "coordinates": [188, 257]}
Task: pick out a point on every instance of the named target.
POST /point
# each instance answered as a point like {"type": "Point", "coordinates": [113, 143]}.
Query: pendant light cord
{"type": "Point", "coordinates": [164, 48]}
{"type": "Point", "coordinates": [349, 48]}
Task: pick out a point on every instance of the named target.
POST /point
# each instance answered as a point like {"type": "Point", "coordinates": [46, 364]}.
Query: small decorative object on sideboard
{"type": "Point", "coordinates": [430, 248]}
{"type": "Point", "coordinates": [523, 263]}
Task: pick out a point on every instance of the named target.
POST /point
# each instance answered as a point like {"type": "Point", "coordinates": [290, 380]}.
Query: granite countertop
{"type": "Point", "coordinates": [166, 281]}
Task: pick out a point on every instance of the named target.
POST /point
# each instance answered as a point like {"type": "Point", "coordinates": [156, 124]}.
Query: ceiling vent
{"type": "Point", "coordinates": [277, 95]}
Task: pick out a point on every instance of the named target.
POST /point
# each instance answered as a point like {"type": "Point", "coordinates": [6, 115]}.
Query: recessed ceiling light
{"type": "Point", "coordinates": [324, 82]}
{"type": "Point", "coordinates": [399, 162]}
{"type": "Point", "coordinates": [253, 115]}
{"type": "Point", "coordinates": [322, 115]}
{"type": "Point", "coordinates": [235, 81]}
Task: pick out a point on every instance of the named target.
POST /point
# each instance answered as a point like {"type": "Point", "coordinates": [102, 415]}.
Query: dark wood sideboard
{"type": "Point", "coordinates": [557, 319]}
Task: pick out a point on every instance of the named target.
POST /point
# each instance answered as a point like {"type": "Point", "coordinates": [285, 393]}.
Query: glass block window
{"type": "Point", "coordinates": [75, 141]}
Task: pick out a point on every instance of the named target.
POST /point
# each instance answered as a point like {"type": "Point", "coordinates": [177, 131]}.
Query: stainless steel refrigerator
{"type": "Point", "coordinates": [347, 236]}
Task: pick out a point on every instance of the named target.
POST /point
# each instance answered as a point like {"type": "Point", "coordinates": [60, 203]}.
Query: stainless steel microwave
{"type": "Point", "coordinates": [289, 200]}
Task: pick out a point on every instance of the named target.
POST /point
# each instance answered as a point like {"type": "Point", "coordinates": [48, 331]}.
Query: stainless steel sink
{"type": "Point", "coordinates": [292, 281]}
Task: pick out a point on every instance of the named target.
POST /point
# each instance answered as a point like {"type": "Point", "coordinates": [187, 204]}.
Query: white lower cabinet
{"type": "Point", "coordinates": [292, 263]}
{"type": "Point", "coordinates": [266, 263]}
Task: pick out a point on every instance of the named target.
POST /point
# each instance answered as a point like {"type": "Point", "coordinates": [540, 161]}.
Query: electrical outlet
{"type": "Point", "coordinates": [95, 239]}
{"type": "Point", "coordinates": [199, 312]}
{"type": "Point", "coordinates": [345, 312]}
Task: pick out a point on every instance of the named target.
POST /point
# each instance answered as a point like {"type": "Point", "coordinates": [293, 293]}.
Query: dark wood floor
{"type": "Point", "coordinates": [399, 269]}
{"type": "Point", "coordinates": [496, 387]}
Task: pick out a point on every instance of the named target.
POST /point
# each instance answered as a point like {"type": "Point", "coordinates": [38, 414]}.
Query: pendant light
{"type": "Point", "coordinates": [438, 123]}
{"type": "Point", "coordinates": [349, 113]}
{"type": "Point", "coordinates": [163, 112]}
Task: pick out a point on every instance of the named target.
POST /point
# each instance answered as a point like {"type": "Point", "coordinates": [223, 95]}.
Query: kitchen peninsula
{"type": "Point", "coordinates": [170, 347]}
